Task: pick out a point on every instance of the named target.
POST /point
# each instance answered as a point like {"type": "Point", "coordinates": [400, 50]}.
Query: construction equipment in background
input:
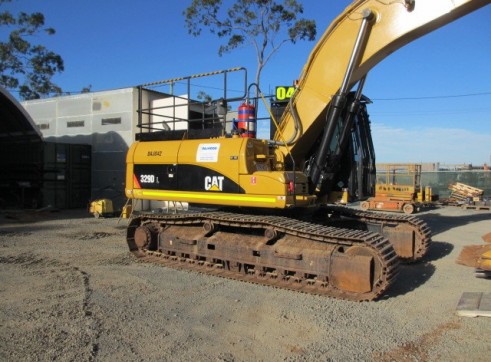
{"type": "Point", "coordinates": [399, 188]}
{"type": "Point", "coordinates": [468, 197]}
{"type": "Point", "coordinates": [478, 257]}
{"type": "Point", "coordinates": [101, 208]}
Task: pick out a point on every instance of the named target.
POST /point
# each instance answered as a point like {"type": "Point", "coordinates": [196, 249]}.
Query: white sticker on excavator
{"type": "Point", "coordinates": [207, 152]}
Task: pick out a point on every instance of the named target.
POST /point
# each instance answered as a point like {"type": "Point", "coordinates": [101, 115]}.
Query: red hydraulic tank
{"type": "Point", "coordinates": [247, 120]}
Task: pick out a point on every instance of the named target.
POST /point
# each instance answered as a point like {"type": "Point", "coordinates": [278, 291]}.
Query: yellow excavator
{"type": "Point", "coordinates": [266, 217]}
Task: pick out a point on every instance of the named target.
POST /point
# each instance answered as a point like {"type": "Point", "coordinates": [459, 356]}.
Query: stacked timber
{"type": "Point", "coordinates": [462, 192]}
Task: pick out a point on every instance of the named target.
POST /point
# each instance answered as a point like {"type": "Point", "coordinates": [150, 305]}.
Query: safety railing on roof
{"type": "Point", "coordinates": [186, 112]}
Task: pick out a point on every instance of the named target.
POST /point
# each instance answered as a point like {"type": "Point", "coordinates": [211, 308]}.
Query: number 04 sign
{"type": "Point", "coordinates": [284, 93]}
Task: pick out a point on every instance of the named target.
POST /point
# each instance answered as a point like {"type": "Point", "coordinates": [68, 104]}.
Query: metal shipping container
{"type": "Point", "coordinates": [67, 175]}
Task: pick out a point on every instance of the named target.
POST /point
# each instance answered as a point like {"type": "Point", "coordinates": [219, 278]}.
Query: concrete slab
{"type": "Point", "coordinates": [474, 304]}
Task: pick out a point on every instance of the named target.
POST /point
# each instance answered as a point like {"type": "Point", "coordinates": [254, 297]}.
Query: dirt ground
{"type": "Point", "coordinates": [70, 291]}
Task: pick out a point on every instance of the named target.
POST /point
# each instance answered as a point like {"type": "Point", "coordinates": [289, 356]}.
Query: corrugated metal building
{"type": "Point", "coordinates": [36, 173]}
{"type": "Point", "coordinates": [107, 121]}
{"type": "Point", "coordinates": [104, 120]}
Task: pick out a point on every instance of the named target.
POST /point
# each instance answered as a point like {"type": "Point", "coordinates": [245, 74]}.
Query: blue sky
{"type": "Point", "coordinates": [432, 98]}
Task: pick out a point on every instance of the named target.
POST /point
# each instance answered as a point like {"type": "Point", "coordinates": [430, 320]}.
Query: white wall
{"type": "Point", "coordinates": [105, 120]}
{"type": "Point", "coordinates": [169, 113]}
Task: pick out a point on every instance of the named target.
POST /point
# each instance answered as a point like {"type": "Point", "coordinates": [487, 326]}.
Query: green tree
{"type": "Point", "coordinates": [266, 24]}
{"type": "Point", "coordinates": [203, 96]}
{"type": "Point", "coordinates": [24, 66]}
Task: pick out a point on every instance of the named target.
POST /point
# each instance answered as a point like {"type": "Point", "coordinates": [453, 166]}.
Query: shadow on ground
{"type": "Point", "coordinates": [439, 223]}
{"type": "Point", "coordinates": [412, 276]}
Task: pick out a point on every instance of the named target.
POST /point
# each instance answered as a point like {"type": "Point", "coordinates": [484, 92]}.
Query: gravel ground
{"type": "Point", "coordinates": [70, 291]}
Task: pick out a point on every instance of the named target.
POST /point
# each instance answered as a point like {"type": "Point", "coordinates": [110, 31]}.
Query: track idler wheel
{"type": "Point", "coordinates": [270, 234]}
{"type": "Point", "coordinates": [146, 237]}
{"type": "Point", "coordinates": [208, 228]}
{"type": "Point", "coordinates": [408, 209]}
{"type": "Point", "coordinates": [356, 269]}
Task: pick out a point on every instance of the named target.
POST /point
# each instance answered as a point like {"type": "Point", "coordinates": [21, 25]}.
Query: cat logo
{"type": "Point", "coordinates": [214, 183]}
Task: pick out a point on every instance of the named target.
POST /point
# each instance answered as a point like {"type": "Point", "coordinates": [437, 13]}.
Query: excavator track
{"type": "Point", "coordinates": [409, 235]}
{"type": "Point", "coordinates": [269, 250]}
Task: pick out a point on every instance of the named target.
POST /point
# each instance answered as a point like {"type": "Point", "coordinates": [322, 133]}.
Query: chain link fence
{"type": "Point", "coordinates": [440, 180]}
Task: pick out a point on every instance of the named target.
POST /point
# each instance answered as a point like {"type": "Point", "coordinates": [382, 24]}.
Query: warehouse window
{"type": "Point", "coordinates": [109, 121]}
{"type": "Point", "coordinates": [43, 126]}
{"type": "Point", "coordinates": [73, 124]}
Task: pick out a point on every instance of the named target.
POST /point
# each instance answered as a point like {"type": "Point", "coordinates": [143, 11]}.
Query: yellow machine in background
{"type": "Point", "coordinates": [398, 188]}
{"type": "Point", "coordinates": [478, 257]}
{"type": "Point", "coordinates": [101, 208]}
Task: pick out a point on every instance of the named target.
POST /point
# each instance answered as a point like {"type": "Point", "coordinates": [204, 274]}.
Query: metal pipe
{"type": "Point", "coordinates": [352, 111]}
{"type": "Point", "coordinates": [355, 55]}
{"type": "Point", "coordinates": [140, 106]}
{"type": "Point", "coordinates": [339, 100]}
{"type": "Point", "coordinates": [296, 123]}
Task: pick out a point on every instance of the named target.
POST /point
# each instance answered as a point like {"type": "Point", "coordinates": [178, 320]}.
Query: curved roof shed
{"type": "Point", "coordinates": [15, 123]}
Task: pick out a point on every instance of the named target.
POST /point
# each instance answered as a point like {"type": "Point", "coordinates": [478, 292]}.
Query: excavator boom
{"type": "Point", "coordinates": [340, 58]}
